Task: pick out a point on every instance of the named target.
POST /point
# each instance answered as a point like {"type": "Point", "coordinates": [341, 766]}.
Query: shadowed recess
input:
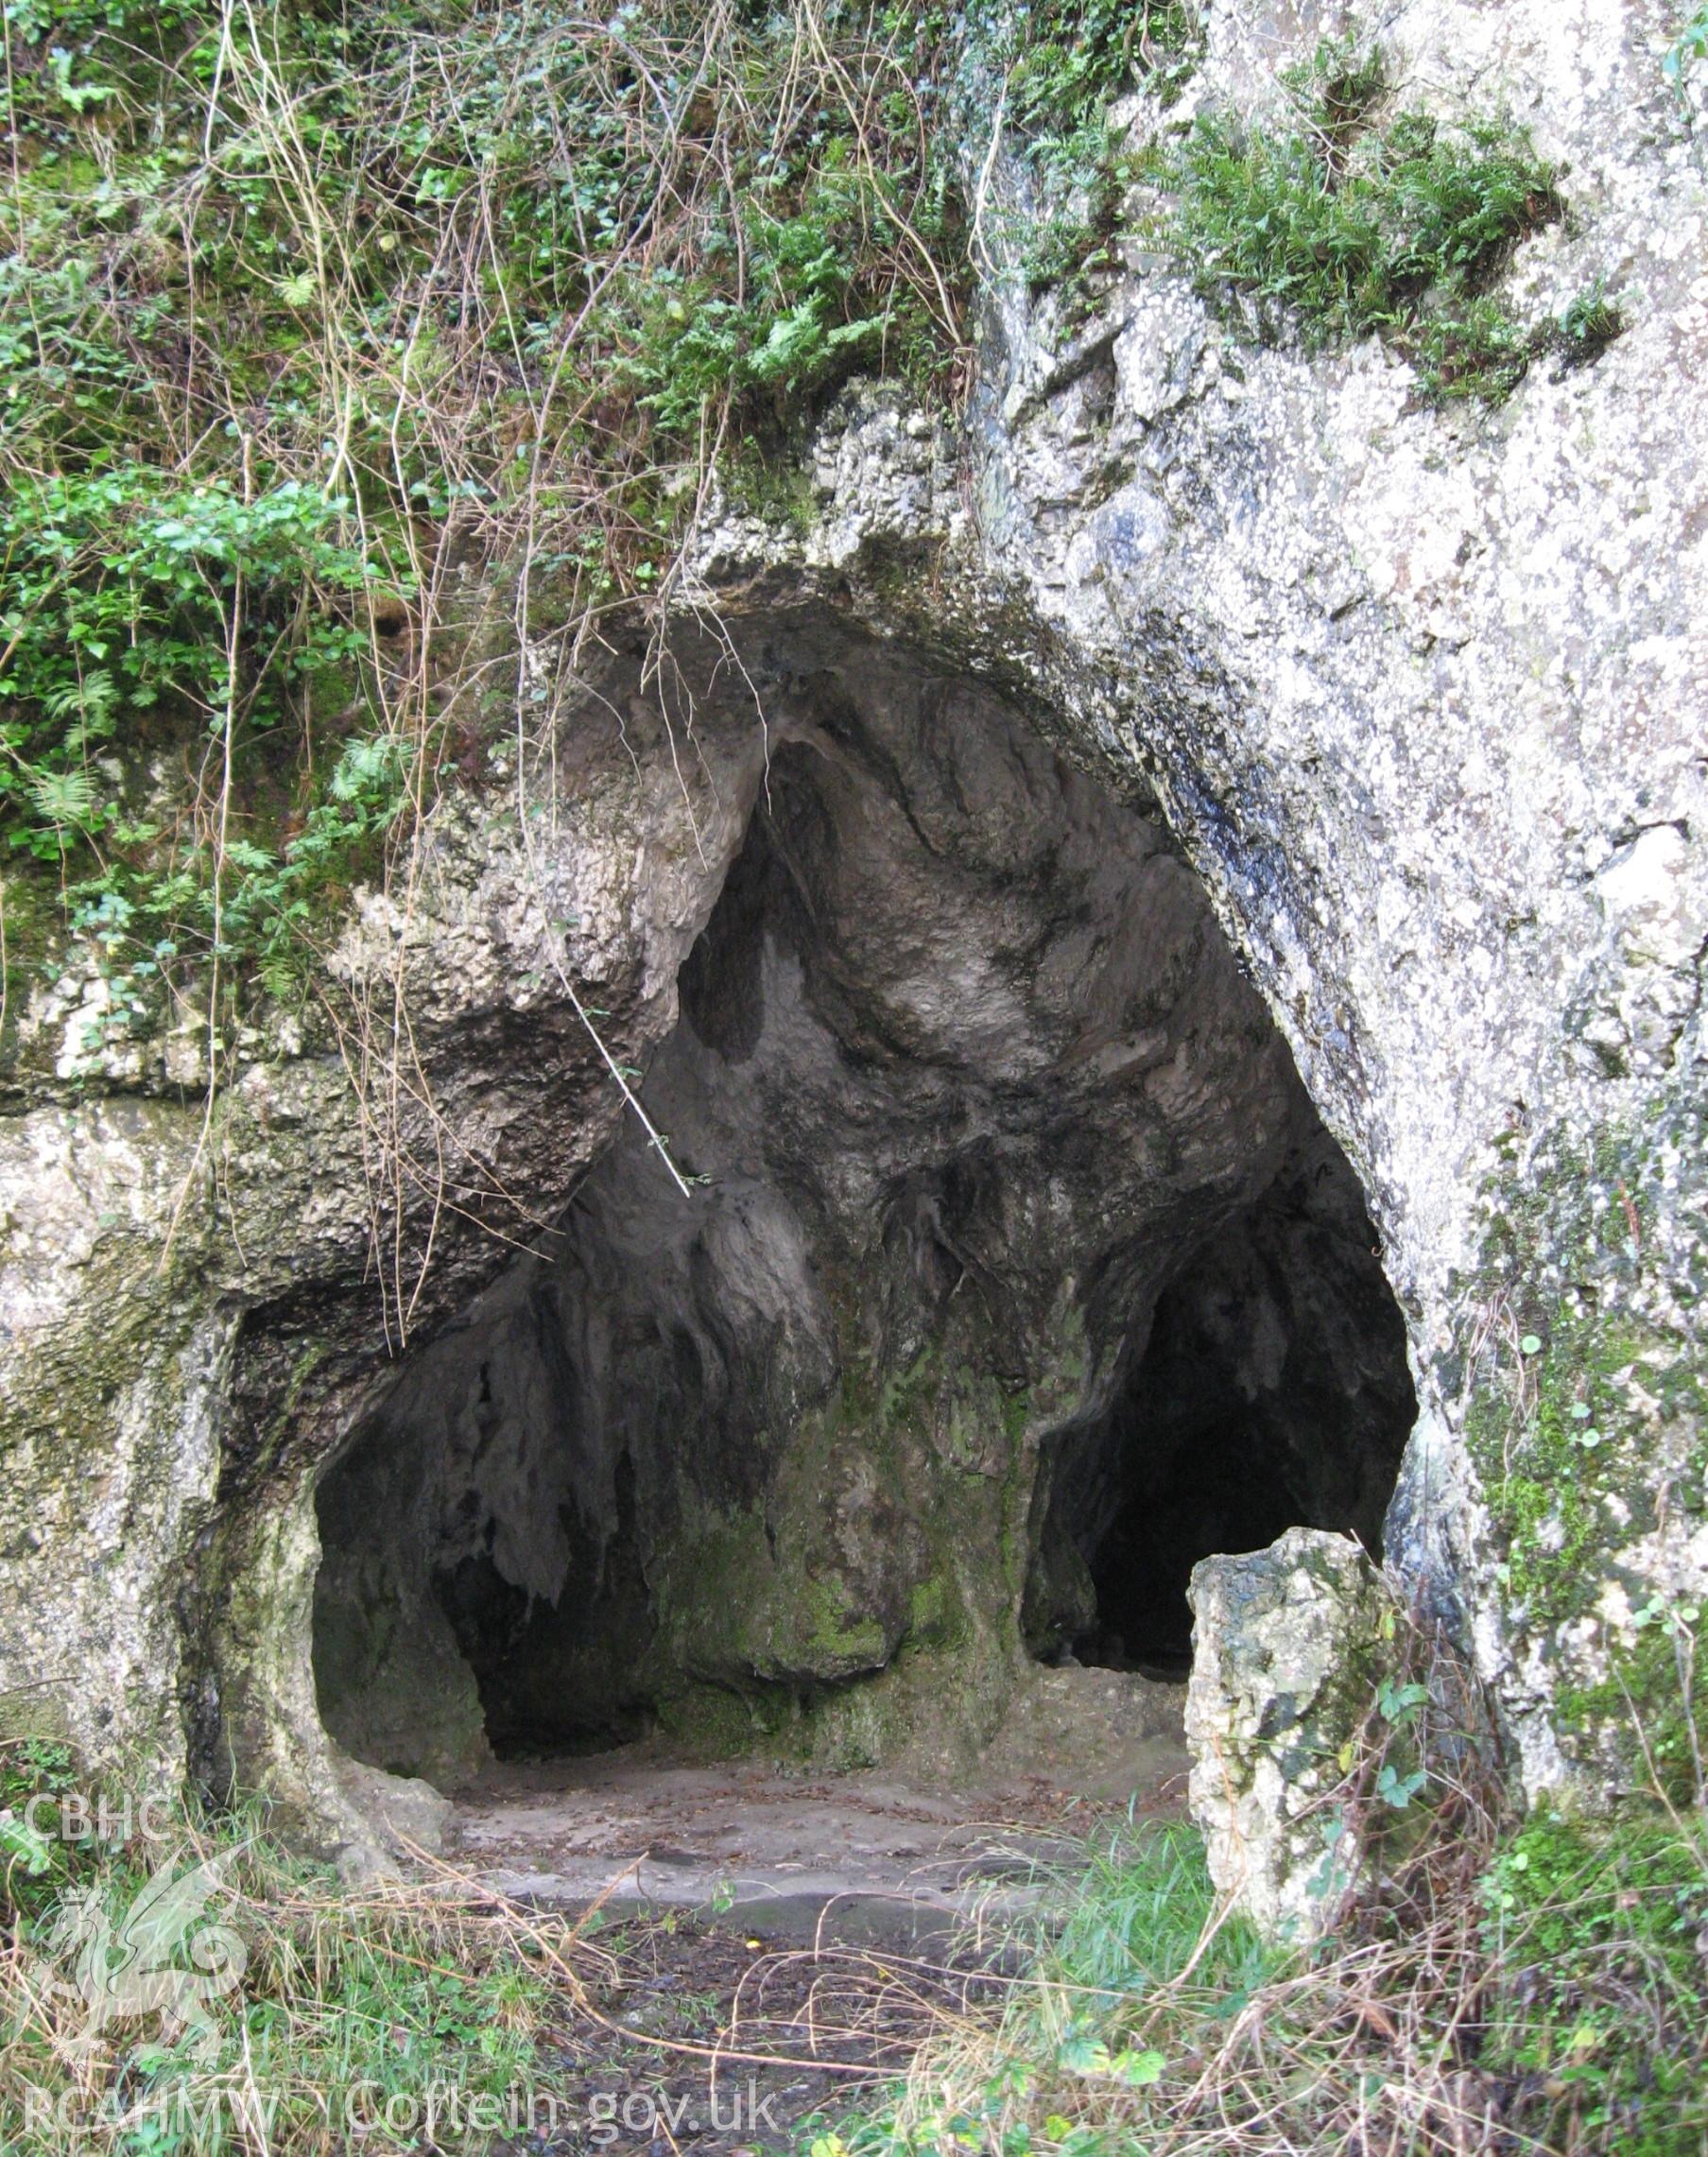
{"type": "Point", "coordinates": [1021, 1276]}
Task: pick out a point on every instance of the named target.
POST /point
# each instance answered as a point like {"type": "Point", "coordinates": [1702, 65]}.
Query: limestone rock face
{"type": "Point", "coordinates": [1287, 1656]}
{"type": "Point", "coordinates": [1406, 702]}
{"type": "Point", "coordinates": [781, 1416]}
{"type": "Point", "coordinates": [1455, 664]}
{"type": "Point", "coordinates": [965, 1072]}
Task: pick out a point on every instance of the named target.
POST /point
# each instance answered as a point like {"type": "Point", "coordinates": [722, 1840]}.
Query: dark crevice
{"type": "Point", "coordinates": [1268, 1390]}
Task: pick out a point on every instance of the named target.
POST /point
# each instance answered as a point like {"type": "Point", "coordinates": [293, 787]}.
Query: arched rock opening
{"type": "Point", "coordinates": [1016, 1274]}
{"type": "Point", "coordinates": [1267, 1391]}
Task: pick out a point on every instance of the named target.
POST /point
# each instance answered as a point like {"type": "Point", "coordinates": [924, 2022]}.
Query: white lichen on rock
{"type": "Point", "coordinates": [1288, 1649]}
{"type": "Point", "coordinates": [1421, 693]}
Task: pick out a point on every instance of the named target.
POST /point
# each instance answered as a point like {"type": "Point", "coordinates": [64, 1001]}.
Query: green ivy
{"type": "Point", "coordinates": [118, 591]}
{"type": "Point", "coordinates": [1692, 44]}
{"type": "Point", "coordinates": [278, 317]}
{"type": "Point", "coordinates": [1601, 2000]}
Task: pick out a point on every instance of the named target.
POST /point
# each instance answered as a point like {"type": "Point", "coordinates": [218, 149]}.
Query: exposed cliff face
{"type": "Point", "coordinates": [1454, 664]}
{"type": "Point", "coordinates": [1006, 1167]}
{"type": "Point", "coordinates": [1004, 1195]}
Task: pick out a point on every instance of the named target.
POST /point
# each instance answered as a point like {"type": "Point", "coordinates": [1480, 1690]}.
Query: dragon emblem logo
{"type": "Point", "coordinates": [136, 1966]}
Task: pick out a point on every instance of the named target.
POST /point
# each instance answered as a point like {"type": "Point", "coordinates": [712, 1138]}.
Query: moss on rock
{"type": "Point", "coordinates": [1587, 1421]}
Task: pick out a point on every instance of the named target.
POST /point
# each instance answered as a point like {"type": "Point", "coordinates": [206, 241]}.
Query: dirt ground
{"type": "Point", "coordinates": [714, 2039]}
{"type": "Point", "coordinates": [767, 1944]}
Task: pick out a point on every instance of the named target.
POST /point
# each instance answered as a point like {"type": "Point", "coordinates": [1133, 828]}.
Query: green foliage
{"type": "Point", "coordinates": [1073, 55]}
{"type": "Point", "coordinates": [272, 900]}
{"type": "Point", "coordinates": [1079, 178]}
{"type": "Point", "coordinates": [34, 1866]}
{"type": "Point", "coordinates": [1547, 1452]}
{"type": "Point", "coordinates": [1588, 1428]}
{"type": "Point", "coordinates": [1063, 62]}
{"type": "Point", "coordinates": [1660, 1683]}
{"type": "Point", "coordinates": [1100, 2024]}
{"type": "Point", "coordinates": [344, 1998]}
{"type": "Point", "coordinates": [1692, 44]}
{"type": "Point", "coordinates": [1348, 224]}
{"type": "Point", "coordinates": [297, 307]}
{"type": "Point", "coordinates": [1266, 217]}
{"type": "Point", "coordinates": [72, 21]}
{"type": "Point", "coordinates": [1601, 1999]}
{"type": "Point", "coordinates": [1338, 91]}
{"type": "Point", "coordinates": [1138, 1914]}
{"type": "Point", "coordinates": [119, 589]}
{"type": "Point", "coordinates": [1542, 1988]}
{"type": "Point", "coordinates": [799, 331]}
{"type": "Point", "coordinates": [128, 596]}
{"type": "Point", "coordinates": [1588, 326]}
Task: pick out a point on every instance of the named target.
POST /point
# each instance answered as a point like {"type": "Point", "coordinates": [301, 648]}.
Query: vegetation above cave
{"type": "Point", "coordinates": [309, 314]}
{"type": "Point", "coordinates": [314, 322]}
{"type": "Point", "coordinates": [1359, 217]}
{"type": "Point", "coordinates": [327, 328]}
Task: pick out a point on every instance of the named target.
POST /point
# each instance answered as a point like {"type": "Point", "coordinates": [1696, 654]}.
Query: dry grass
{"type": "Point", "coordinates": [500, 288]}
{"type": "Point", "coordinates": [342, 1997]}
{"type": "Point", "coordinates": [1497, 1986]}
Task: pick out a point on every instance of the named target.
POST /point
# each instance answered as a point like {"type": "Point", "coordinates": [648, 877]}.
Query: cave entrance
{"type": "Point", "coordinates": [1017, 1274]}
{"type": "Point", "coordinates": [1266, 1389]}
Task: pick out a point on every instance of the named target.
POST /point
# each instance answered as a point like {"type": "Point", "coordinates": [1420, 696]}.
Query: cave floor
{"type": "Point", "coordinates": [764, 1944]}
{"type": "Point", "coordinates": [875, 1858]}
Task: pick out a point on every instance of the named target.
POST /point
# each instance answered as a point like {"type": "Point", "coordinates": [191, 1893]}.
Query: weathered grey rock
{"type": "Point", "coordinates": [1423, 694]}
{"type": "Point", "coordinates": [972, 1078]}
{"type": "Point", "coordinates": [1287, 1655]}
{"type": "Point", "coordinates": [1420, 696]}
{"type": "Point", "coordinates": [407, 1813]}
{"type": "Point", "coordinates": [968, 1074]}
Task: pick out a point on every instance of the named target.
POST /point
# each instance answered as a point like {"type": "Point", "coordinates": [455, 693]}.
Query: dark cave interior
{"type": "Point", "coordinates": [1270, 1391]}
{"type": "Point", "coordinates": [1018, 1231]}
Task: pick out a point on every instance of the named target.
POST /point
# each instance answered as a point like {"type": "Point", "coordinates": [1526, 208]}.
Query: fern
{"type": "Point", "coordinates": [65, 798]}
